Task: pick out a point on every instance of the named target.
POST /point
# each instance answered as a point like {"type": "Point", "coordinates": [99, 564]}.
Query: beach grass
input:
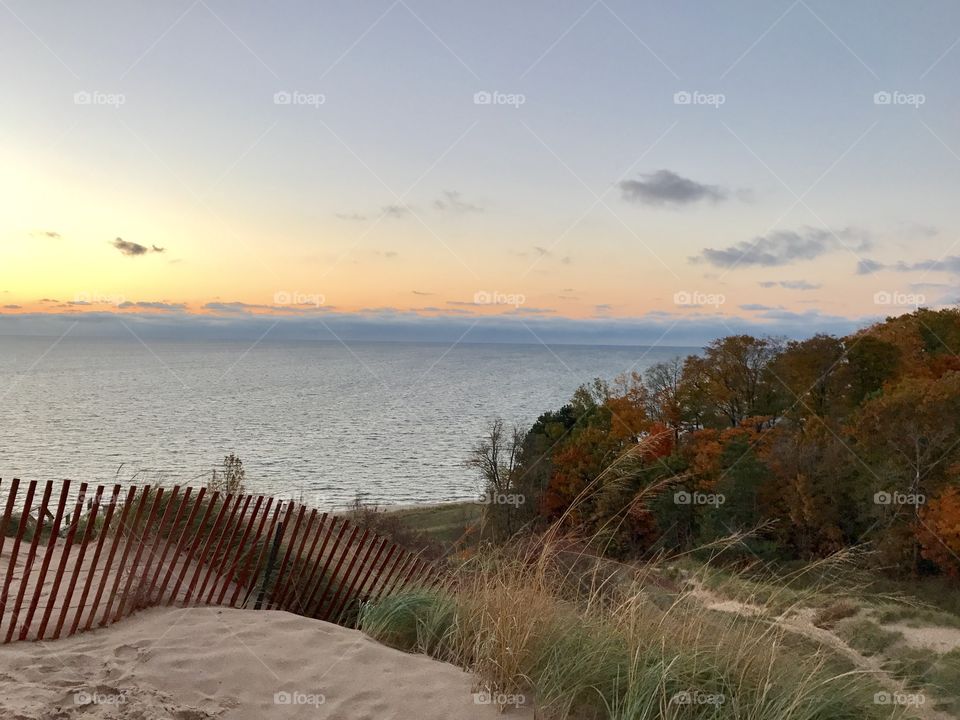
{"type": "Point", "coordinates": [586, 638]}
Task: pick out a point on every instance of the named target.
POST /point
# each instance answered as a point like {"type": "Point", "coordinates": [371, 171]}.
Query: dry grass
{"type": "Point", "coordinates": [589, 638]}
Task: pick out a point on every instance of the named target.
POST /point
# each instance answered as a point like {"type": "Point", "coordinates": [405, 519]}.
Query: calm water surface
{"type": "Point", "coordinates": [390, 422]}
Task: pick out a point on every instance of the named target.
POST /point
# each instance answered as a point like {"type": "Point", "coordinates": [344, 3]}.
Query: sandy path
{"type": "Point", "coordinates": [194, 663]}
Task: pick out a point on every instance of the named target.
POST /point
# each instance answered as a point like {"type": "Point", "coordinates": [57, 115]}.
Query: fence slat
{"type": "Point", "coordinates": [380, 583]}
{"type": "Point", "coordinates": [314, 576]}
{"type": "Point", "coordinates": [243, 562]}
{"type": "Point", "coordinates": [146, 585]}
{"type": "Point", "coordinates": [232, 568]}
{"type": "Point", "coordinates": [349, 582]}
{"type": "Point", "coordinates": [197, 538]}
{"type": "Point", "coordinates": [91, 573]}
{"type": "Point", "coordinates": [141, 543]}
{"type": "Point", "coordinates": [370, 567]}
{"type": "Point", "coordinates": [184, 534]}
{"type": "Point", "coordinates": [208, 541]}
{"type": "Point", "coordinates": [15, 552]}
{"type": "Point", "coordinates": [286, 558]}
{"type": "Point", "coordinates": [8, 511]}
{"type": "Point", "coordinates": [75, 575]}
{"type": "Point", "coordinates": [328, 579]}
{"type": "Point", "coordinates": [297, 568]}
{"type": "Point", "coordinates": [64, 558]}
{"type": "Point", "coordinates": [220, 547]}
{"type": "Point", "coordinates": [341, 581]}
{"type": "Point", "coordinates": [47, 557]}
{"type": "Point", "coordinates": [298, 594]}
{"type": "Point", "coordinates": [161, 561]}
{"type": "Point", "coordinates": [31, 556]}
{"type": "Point", "coordinates": [132, 532]}
{"type": "Point", "coordinates": [263, 557]}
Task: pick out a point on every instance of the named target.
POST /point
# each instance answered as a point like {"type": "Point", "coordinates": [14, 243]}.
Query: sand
{"type": "Point", "coordinates": [209, 662]}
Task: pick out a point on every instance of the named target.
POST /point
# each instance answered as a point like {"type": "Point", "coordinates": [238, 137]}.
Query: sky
{"type": "Point", "coordinates": [563, 171]}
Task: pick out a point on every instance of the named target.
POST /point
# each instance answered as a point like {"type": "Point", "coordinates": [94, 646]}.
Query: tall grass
{"type": "Point", "coordinates": [585, 637]}
{"type": "Point", "coordinates": [592, 639]}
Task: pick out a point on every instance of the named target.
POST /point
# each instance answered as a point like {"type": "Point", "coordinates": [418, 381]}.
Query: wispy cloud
{"type": "Point", "coordinates": [783, 247]}
{"type": "Point", "coordinates": [791, 284]}
{"type": "Point", "coordinates": [948, 264]}
{"type": "Point", "coordinates": [665, 187]}
{"type": "Point", "coordinates": [132, 249]}
{"type": "Point", "coordinates": [451, 201]}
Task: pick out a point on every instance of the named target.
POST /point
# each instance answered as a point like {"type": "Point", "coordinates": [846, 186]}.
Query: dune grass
{"type": "Point", "coordinates": [586, 638]}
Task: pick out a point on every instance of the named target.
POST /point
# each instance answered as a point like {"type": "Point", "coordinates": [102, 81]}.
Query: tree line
{"type": "Point", "coordinates": [800, 448]}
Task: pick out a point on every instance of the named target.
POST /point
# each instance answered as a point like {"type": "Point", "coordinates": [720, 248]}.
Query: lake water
{"type": "Point", "coordinates": [390, 422]}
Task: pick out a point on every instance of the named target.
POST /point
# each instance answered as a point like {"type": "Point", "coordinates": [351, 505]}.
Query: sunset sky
{"type": "Point", "coordinates": [603, 170]}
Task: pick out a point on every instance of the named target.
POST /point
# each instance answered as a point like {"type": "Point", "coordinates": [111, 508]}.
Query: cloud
{"type": "Point", "coordinates": [132, 249]}
{"type": "Point", "coordinates": [12, 307]}
{"type": "Point", "coordinates": [170, 307]}
{"type": "Point", "coordinates": [421, 292]}
{"type": "Point", "coordinates": [451, 202]}
{"type": "Point", "coordinates": [947, 264]}
{"type": "Point", "coordinates": [782, 247]}
{"type": "Point", "coordinates": [387, 211]}
{"type": "Point", "coordinates": [395, 211]}
{"type": "Point", "coordinates": [52, 234]}
{"type": "Point", "coordinates": [756, 307]}
{"type": "Point", "coordinates": [791, 284]}
{"type": "Point", "coordinates": [665, 187]}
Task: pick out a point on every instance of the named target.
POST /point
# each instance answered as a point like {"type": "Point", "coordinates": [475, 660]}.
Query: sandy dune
{"type": "Point", "coordinates": [193, 663]}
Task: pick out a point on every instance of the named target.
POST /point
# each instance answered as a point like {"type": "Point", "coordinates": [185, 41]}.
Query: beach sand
{"type": "Point", "coordinates": [209, 662]}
